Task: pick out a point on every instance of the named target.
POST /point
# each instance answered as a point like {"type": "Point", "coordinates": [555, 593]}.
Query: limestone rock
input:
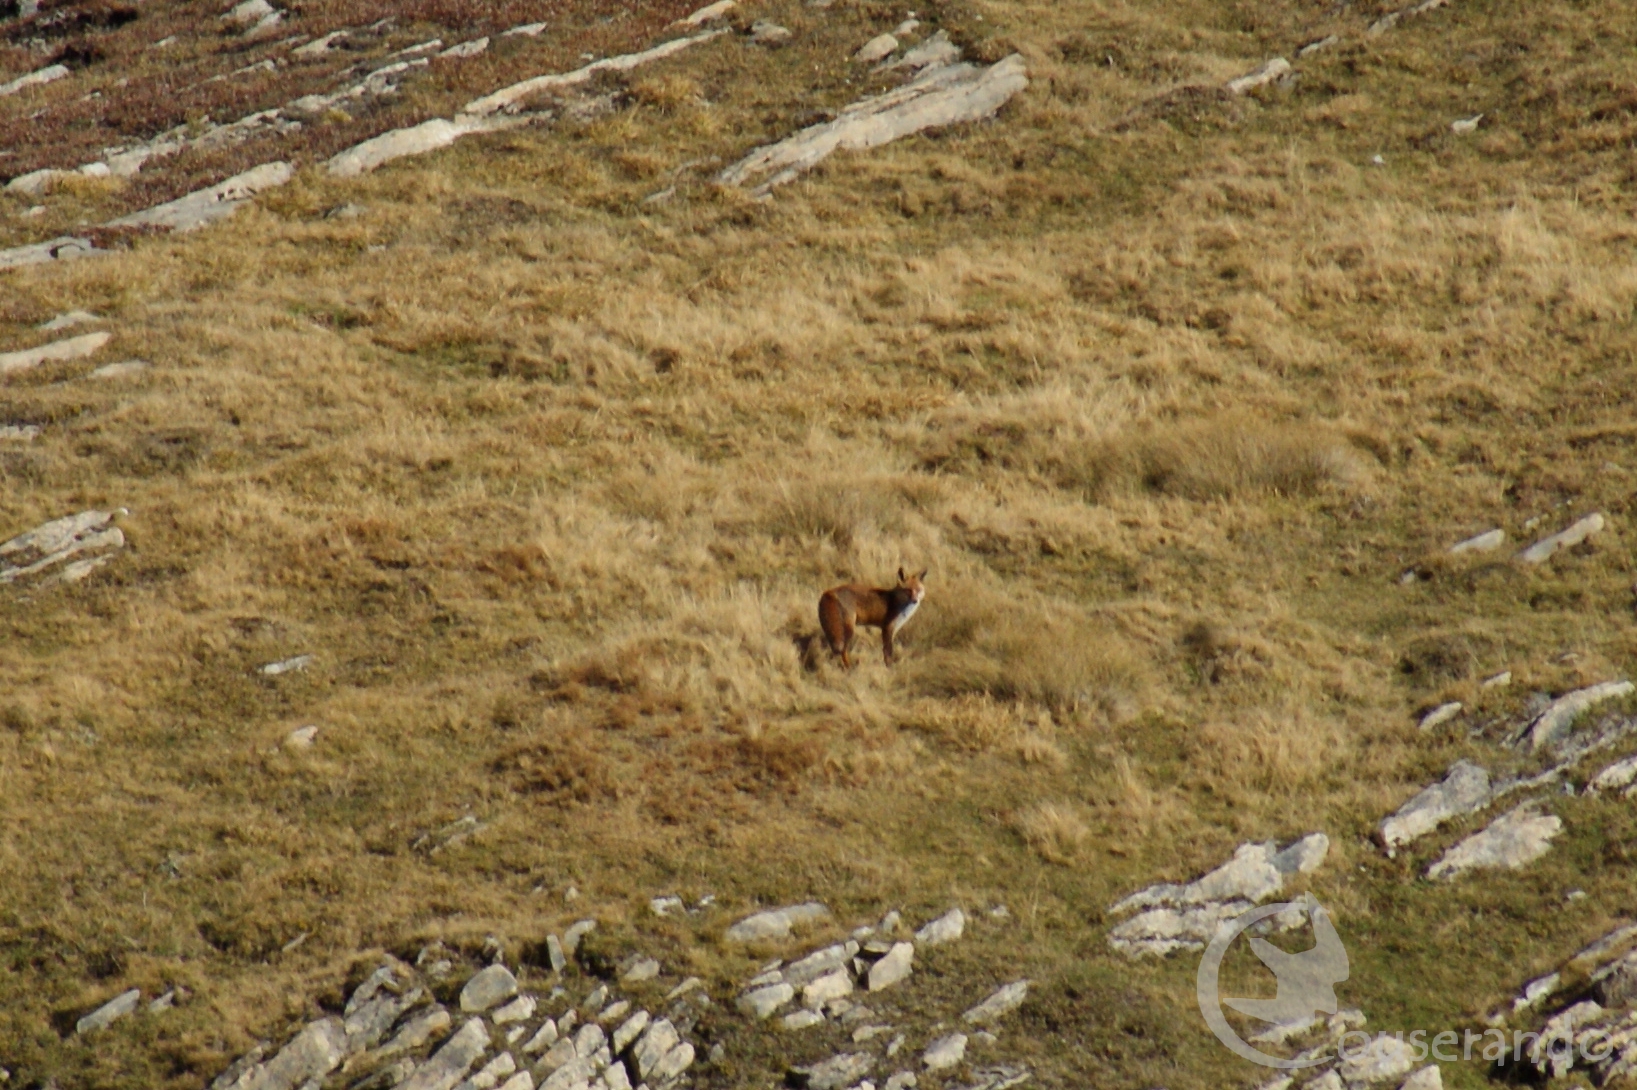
{"type": "Point", "coordinates": [1464, 789]}
{"type": "Point", "coordinates": [1256, 871]}
{"type": "Point", "coordinates": [249, 12]}
{"type": "Point", "coordinates": [554, 953]}
{"type": "Point", "coordinates": [576, 932]}
{"type": "Point", "coordinates": [487, 987]}
{"type": "Point", "coordinates": [1574, 535]}
{"type": "Point", "coordinates": [589, 1039]}
{"type": "Point", "coordinates": [1440, 715]}
{"type": "Point", "coordinates": [560, 1053]}
{"type": "Point", "coordinates": [1313, 47]}
{"type": "Point", "coordinates": [594, 1000]}
{"type": "Point", "coordinates": [764, 1001]}
{"type": "Point", "coordinates": [832, 985]}
{"type": "Point", "coordinates": [767, 33]}
{"type": "Point", "coordinates": [449, 1064]}
{"type": "Point", "coordinates": [640, 970]}
{"type": "Point", "coordinates": [672, 1064]}
{"type": "Point", "coordinates": [1512, 840]}
{"type": "Point", "coordinates": [935, 52]}
{"type": "Point", "coordinates": [1617, 775]}
{"type": "Point", "coordinates": [1382, 1059]}
{"type": "Point", "coordinates": [1553, 724]}
{"type": "Point", "coordinates": [311, 1054]}
{"type": "Point", "coordinates": [576, 1073]}
{"type": "Point", "coordinates": [465, 49]}
{"type": "Point", "coordinates": [68, 320]}
{"type": "Point", "coordinates": [1275, 69]}
{"type": "Point", "coordinates": [877, 48]}
{"type": "Point", "coordinates": [54, 542]}
{"type": "Point", "coordinates": [801, 1019]}
{"type": "Point", "coordinates": [543, 1038]}
{"type": "Point", "coordinates": [667, 906]}
{"type": "Point", "coordinates": [493, 1071]}
{"type": "Point", "coordinates": [897, 965]}
{"type": "Point", "coordinates": [525, 1081]}
{"type": "Point", "coordinates": [615, 1076]}
{"type": "Point", "coordinates": [838, 1071]}
{"type": "Point", "coordinates": [417, 1031]}
{"type": "Point", "coordinates": [945, 1052]}
{"type": "Point", "coordinates": [1002, 1002]}
{"type": "Point", "coordinates": [508, 98]}
{"type": "Point", "coordinates": [205, 206]}
{"type": "Point", "coordinates": [902, 1080]}
{"type": "Point", "coordinates": [946, 928]}
{"type": "Point", "coordinates": [1485, 542]}
{"type": "Point", "coordinates": [301, 738]}
{"type": "Point", "coordinates": [629, 1030]}
{"type": "Point", "coordinates": [775, 923]}
{"type": "Point", "coordinates": [72, 348]}
{"type": "Point", "coordinates": [105, 1015]}
{"type": "Point", "coordinates": [518, 1010]}
{"type": "Point", "coordinates": [653, 1046]}
{"type": "Point", "coordinates": [707, 13]}
{"type": "Point", "coordinates": [1161, 931]}
{"type": "Point", "coordinates": [613, 1012]}
{"type": "Point", "coordinates": [369, 1021]}
{"type": "Point", "coordinates": [396, 144]}
{"type": "Point", "coordinates": [286, 666]}
{"type": "Point", "coordinates": [1428, 1078]}
{"type": "Point", "coordinates": [945, 95]}
{"type": "Point", "coordinates": [120, 369]}
{"type": "Point", "coordinates": [62, 248]}
{"type": "Point", "coordinates": [36, 78]}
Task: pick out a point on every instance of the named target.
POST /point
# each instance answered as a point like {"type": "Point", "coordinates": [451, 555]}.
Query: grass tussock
{"type": "Point", "coordinates": [1055, 831]}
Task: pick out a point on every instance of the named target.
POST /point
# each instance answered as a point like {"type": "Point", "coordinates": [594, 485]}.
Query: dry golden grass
{"type": "Point", "coordinates": [1166, 397]}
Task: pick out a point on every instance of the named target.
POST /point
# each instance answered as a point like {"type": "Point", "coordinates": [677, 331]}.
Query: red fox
{"type": "Point", "coordinates": [843, 608]}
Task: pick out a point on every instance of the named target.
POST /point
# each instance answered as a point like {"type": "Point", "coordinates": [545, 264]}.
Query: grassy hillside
{"type": "Point", "coordinates": [1167, 388]}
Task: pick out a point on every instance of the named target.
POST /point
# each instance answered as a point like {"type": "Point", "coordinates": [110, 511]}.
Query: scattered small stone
{"type": "Point", "coordinates": [518, 1010]}
{"type": "Point", "coordinates": [595, 1000]}
{"type": "Point", "coordinates": [573, 1075]}
{"type": "Point", "coordinates": [614, 1012]}
{"type": "Point", "coordinates": [936, 52]}
{"type": "Point", "coordinates": [1466, 125]}
{"type": "Point", "coordinates": [684, 988]}
{"type": "Point", "coordinates": [764, 1001]}
{"type": "Point", "coordinates": [417, 1031]}
{"type": "Point", "coordinates": [554, 954]}
{"type": "Point", "coordinates": [869, 1033]}
{"type": "Point", "coordinates": [801, 1019]}
{"type": "Point", "coordinates": [902, 1080]}
{"type": "Point", "coordinates": [1382, 1059]}
{"type": "Point", "coordinates": [894, 967]}
{"type": "Point", "coordinates": [526, 30]}
{"type": "Point", "coordinates": [946, 928]}
{"type": "Point", "coordinates": [121, 369]}
{"type": "Point", "coordinates": [1499, 681]}
{"type": "Point", "coordinates": [1574, 535]}
{"type": "Point", "coordinates": [815, 965]}
{"type": "Point", "coordinates": [877, 48]}
{"type": "Point", "coordinates": [49, 74]}
{"type": "Point", "coordinates": [1465, 788]}
{"type": "Point", "coordinates": [491, 1074]}
{"type": "Point", "coordinates": [657, 1042]}
{"type": "Point", "coordinates": [1513, 840]}
{"type": "Point", "coordinates": [301, 738]}
{"type": "Point", "coordinates": [832, 985]}
{"type": "Point", "coordinates": [775, 923]}
{"type": "Point", "coordinates": [163, 1003]}
{"type": "Point", "coordinates": [665, 906]}
{"type": "Point", "coordinates": [486, 988]}
{"type": "Point", "coordinates": [69, 320]}
{"type": "Point", "coordinates": [589, 1039]}
{"type": "Point", "coordinates": [838, 1071]}
{"type": "Point", "coordinates": [894, 1045]}
{"type": "Point", "coordinates": [945, 1052]}
{"type": "Point", "coordinates": [1442, 714]}
{"type": "Point", "coordinates": [1272, 70]}
{"type": "Point", "coordinates": [1002, 1002]}
{"type": "Point", "coordinates": [543, 1038]}
{"type": "Point", "coordinates": [19, 432]}
{"type": "Point", "coordinates": [565, 1021]}
{"type": "Point", "coordinates": [1617, 775]}
{"type": "Point", "coordinates": [561, 1053]}
{"type": "Point", "coordinates": [707, 13]}
{"type": "Point", "coordinates": [576, 932]}
{"type": "Point", "coordinates": [285, 666]}
{"type": "Point", "coordinates": [1313, 47]}
{"type": "Point", "coordinates": [639, 970]}
{"type": "Point", "coordinates": [105, 1015]}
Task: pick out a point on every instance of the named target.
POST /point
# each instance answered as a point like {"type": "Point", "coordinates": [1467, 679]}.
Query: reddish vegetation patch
{"type": "Point", "coordinates": [125, 91]}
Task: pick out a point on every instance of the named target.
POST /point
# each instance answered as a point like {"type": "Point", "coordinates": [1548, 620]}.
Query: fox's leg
{"type": "Point", "coordinates": [849, 635]}
{"type": "Point", "coordinates": [887, 652]}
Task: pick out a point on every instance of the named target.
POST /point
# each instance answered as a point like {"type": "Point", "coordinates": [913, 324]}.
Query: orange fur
{"type": "Point", "coordinates": [842, 609]}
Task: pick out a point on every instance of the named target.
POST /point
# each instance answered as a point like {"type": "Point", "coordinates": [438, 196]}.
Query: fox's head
{"type": "Point", "coordinates": [913, 584]}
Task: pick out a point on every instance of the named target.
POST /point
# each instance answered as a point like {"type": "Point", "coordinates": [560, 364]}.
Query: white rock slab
{"type": "Point", "coordinates": [38, 77]}
{"type": "Point", "coordinates": [629, 1030]}
{"type": "Point", "coordinates": [301, 738]}
{"type": "Point", "coordinates": [801, 1019]}
{"type": "Point", "coordinates": [653, 1046]}
{"type": "Point", "coordinates": [35, 182]}
{"type": "Point", "coordinates": [465, 49]}
{"type": "Point", "coordinates": [816, 964]}
{"type": "Point", "coordinates": [489, 986]}
{"type": "Point", "coordinates": [205, 206]}
{"type": "Point", "coordinates": [896, 966]}
{"type": "Point", "coordinates": [937, 97]}
{"type": "Point", "coordinates": [72, 348]}
{"type": "Point", "coordinates": [640, 970]}
{"type": "Point", "coordinates": [1255, 872]}
{"type": "Point", "coordinates": [415, 140]}
{"type": "Point", "coordinates": [1002, 1002]}
{"type": "Point", "coordinates": [1440, 715]}
{"type": "Point", "coordinates": [764, 1001]}
{"type": "Point", "coordinates": [1428, 1078]}
{"type": "Point", "coordinates": [1465, 788]}
{"type": "Point", "coordinates": [311, 1054]}
{"type": "Point", "coordinates": [319, 46]}
{"type": "Point", "coordinates": [285, 666]}
{"type": "Point", "coordinates": [120, 369]}
{"type": "Point", "coordinates": [41, 548]}
{"type": "Point", "coordinates": [509, 97]}
{"type": "Point", "coordinates": [1513, 840]}
{"type": "Point", "coordinates": [775, 923]}
{"type": "Point", "coordinates": [946, 928]}
{"type": "Point", "coordinates": [1382, 1059]}
{"type": "Point", "coordinates": [248, 12]}
{"type": "Point", "coordinates": [19, 433]}
{"type": "Point", "coordinates": [935, 52]}
{"type": "Point", "coordinates": [945, 1052]}
{"type": "Point", "coordinates": [69, 320]}
{"type": "Point", "coordinates": [1574, 535]}
{"type": "Point", "coordinates": [110, 1012]}
{"type": "Point", "coordinates": [832, 985]}
{"type": "Point", "coordinates": [62, 248]}
{"type": "Point", "coordinates": [449, 1064]}
{"type": "Point", "coordinates": [842, 1070]}
{"type": "Point", "coordinates": [1263, 76]}
{"type": "Point", "coordinates": [1165, 930]}
{"type": "Point", "coordinates": [877, 48]}
{"type": "Point", "coordinates": [1615, 776]}
{"type": "Point", "coordinates": [1553, 725]}
{"type": "Point", "coordinates": [707, 13]}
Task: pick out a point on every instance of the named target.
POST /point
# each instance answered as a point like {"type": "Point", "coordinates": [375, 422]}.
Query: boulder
{"type": "Point", "coordinates": [816, 964]}
{"type": "Point", "coordinates": [935, 52]}
{"type": "Point", "coordinates": [1553, 725]}
{"type": "Point", "coordinates": [775, 923]}
{"type": "Point", "coordinates": [206, 206]}
{"type": "Point", "coordinates": [1574, 535]}
{"type": "Point", "coordinates": [1382, 1059]}
{"type": "Point", "coordinates": [465, 49]}
{"type": "Point", "coordinates": [490, 986]}
{"type": "Point", "coordinates": [945, 1052]}
{"type": "Point", "coordinates": [111, 1011]}
{"type": "Point", "coordinates": [629, 1030]}
{"type": "Point", "coordinates": [640, 970]}
{"type": "Point", "coordinates": [835, 1073]}
{"type": "Point", "coordinates": [1465, 788]}
{"type": "Point", "coordinates": [946, 928]}
{"type": "Point", "coordinates": [765, 32]}
{"type": "Point", "coordinates": [764, 1001]}
{"type": "Point", "coordinates": [894, 967]}
{"type": "Point", "coordinates": [877, 48]}
{"type": "Point", "coordinates": [1513, 840]}
{"type": "Point", "coordinates": [449, 1064]}
{"type": "Point", "coordinates": [1255, 872]}
{"type": "Point", "coordinates": [1272, 70]}
{"type": "Point", "coordinates": [801, 1019]}
{"type": "Point", "coordinates": [1003, 1001]}
{"type": "Point", "coordinates": [1615, 776]}
{"type": "Point", "coordinates": [832, 985]}
{"type": "Point", "coordinates": [311, 1054]}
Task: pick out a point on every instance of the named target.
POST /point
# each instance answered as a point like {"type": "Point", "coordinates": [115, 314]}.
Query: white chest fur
{"type": "Point", "coordinates": [899, 621]}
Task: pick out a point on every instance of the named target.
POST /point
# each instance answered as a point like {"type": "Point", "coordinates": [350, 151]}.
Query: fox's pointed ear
{"type": "Point", "coordinates": [923, 573]}
{"type": "Point", "coordinates": [901, 578]}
